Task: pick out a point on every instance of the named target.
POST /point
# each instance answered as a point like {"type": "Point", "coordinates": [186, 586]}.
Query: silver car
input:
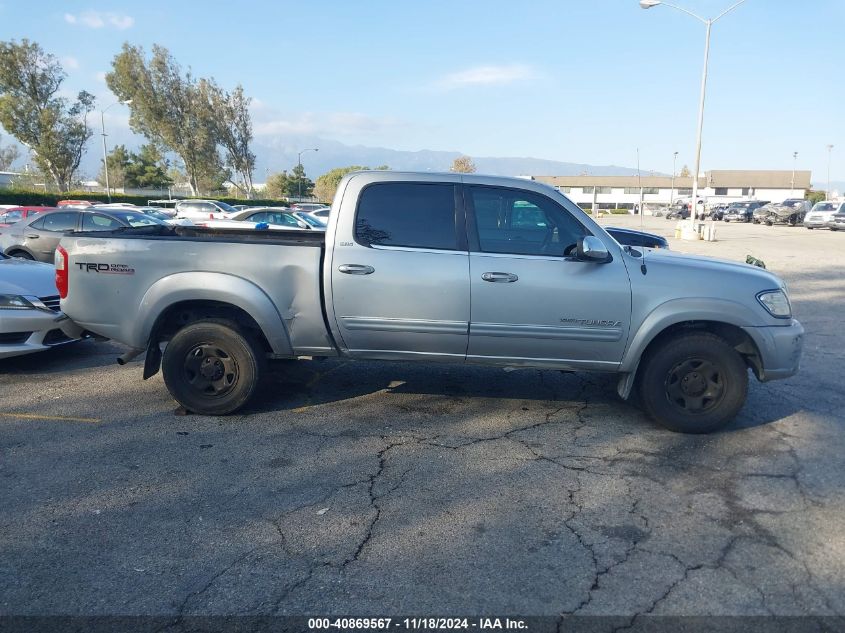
{"type": "Point", "coordinates": [38, 237]}
{"type": "Point", "coordinates": [29, 308]}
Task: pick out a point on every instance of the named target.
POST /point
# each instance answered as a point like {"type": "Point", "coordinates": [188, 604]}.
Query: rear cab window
{"type": "Point", "coordinates": [411, 215]}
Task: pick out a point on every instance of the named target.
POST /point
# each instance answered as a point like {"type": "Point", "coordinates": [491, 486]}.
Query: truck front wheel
{"type": "Point", "coordinates": [693, 383]}
{"type": "Point", "coordinates": [212, 367]}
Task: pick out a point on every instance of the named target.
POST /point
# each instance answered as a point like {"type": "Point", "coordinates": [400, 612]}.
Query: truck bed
{"type": "Point", "coordinates": [274, 276]}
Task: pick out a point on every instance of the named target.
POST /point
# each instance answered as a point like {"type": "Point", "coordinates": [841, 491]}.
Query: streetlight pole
{"type": "Point", "coordinates": [299, 162]}
{"type": "Point", "coordinates": [105, 153]}
{"type": "Point", "coordinates": [708, 22]}
{"type": "Point", "coordinates": [792, 186]}
{"type": "Point", "coordinates": [672, 190]}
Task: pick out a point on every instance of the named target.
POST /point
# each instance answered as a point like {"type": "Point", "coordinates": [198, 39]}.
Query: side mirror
{"type": "Point", "coordinates": [592, 249]}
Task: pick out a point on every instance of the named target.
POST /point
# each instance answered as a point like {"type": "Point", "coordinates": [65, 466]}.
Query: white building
{"type": "Point", "coordinates": [6, 178]}
{"type": "Point", "coordinates": [623, 192]}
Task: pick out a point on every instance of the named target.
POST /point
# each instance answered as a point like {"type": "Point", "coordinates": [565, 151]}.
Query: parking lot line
{"type": "Point", "coordinates": [55, 418]}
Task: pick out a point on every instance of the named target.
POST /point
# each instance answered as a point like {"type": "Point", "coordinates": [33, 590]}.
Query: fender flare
{"type": "Point", "coordinates": [208, 286]}
{"type": "Point", "coordinates": [672, 313]}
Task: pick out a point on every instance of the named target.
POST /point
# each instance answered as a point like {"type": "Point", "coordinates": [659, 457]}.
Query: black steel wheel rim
{"type": "Point", "coordinates": [695, 386]}
{"type": "Point", "coordinates": [210, 370]}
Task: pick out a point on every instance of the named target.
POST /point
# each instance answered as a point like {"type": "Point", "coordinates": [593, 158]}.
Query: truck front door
{"type": "Point", "coordinates": [533, 303]}
{"type": "Point", "coordinates": [400, 269]}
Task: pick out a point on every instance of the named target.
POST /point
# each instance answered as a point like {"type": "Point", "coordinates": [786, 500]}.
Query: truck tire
{"type": "Point", "coordinates": [212, 367]}
{"type": "Point", "coordinates": [693, 383]}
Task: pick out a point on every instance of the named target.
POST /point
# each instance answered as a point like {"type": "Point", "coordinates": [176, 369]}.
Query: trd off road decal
{"type": "Point", "coordinates": [106, 269]}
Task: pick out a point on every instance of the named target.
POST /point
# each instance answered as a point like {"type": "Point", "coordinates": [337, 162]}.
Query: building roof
{"type": "Point", "coordinates": [615, 181]}
{"type": "Point", "coordinates": [759, 179]}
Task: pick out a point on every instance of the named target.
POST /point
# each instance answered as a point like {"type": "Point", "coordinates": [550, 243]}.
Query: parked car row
{"type": "Point", "coordinates": [827, 214]}
{"type": "Point", "coordinates": [791, 212]}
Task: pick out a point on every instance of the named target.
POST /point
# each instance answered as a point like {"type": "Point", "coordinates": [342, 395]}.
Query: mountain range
{"type": "Point", "coordinates": [278, 153]}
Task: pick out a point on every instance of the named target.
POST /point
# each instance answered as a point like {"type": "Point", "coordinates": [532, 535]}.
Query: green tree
{"type": "Point", "coordinates": [147, 169]}
{"type": "Point", "coordinates": [171, 109]}
{"type": "Point", "coordinates": [326, 185]}
{"type": "Point", "coordinates": [54, 129]}
{"type": "Point", "coordinates": [298, 184]}
{"type": "Point", "coordinates": [276, 186]}
{"type": "Point", "coordinates": [118, 160]}
{"type": "Point", "coordinates": [815, 196]}
{"type": "Point", "coordinates": [8, 156]}
{"type": "Point", "coordinates": [463, 165]}
{"type": "Point", "coordinates": [234, 131]}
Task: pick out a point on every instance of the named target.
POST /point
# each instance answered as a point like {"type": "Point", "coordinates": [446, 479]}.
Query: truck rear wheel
{"type": "Point", "coordinates": [212, 367]}
{"type": "Point", "coordinates": [693, 383]}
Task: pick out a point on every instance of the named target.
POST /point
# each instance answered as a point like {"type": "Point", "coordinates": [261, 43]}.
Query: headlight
{"type": "Point", "coordinates": [15, 302]}
{"type": "Point", "coordinates": [776, 303]}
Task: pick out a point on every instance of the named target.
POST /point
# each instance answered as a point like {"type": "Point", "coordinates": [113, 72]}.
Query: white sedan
{"type": "Point", "coordinates": [30, 319]}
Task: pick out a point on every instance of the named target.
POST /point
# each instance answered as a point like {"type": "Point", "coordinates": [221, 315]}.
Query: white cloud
{"type": "Point", "coordinates": [100, 19]}
{"type": "Point", "coordinates": [267, 122]}
{"type": "Point", "coordinates": [70, 62]}
{"type": "Point", "coordinates": [487, 76]}
{"type": "Point", "coordinates": [100, 76]}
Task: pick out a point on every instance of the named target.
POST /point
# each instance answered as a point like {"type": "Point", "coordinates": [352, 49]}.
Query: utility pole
{"type": "Point", "coordinates": [829, 148]}
{"type": "Point", "coordinates": [792, 186]}
{"type": "Point", "coordinates": [105, 153]}
{"type": "Point", "coordinates": [672, 191]}
{"type": "Point", "coordinates": [708, 22]}
{"type": "Point", "coordinates": [299, 171]}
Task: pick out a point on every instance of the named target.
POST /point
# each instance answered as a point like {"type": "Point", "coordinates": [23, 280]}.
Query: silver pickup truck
{"type": "Point", "coordinates": [434, 267]}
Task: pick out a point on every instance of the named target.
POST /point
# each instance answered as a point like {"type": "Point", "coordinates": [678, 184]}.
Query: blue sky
{"type": "Point", "coordinates": [586, 81]}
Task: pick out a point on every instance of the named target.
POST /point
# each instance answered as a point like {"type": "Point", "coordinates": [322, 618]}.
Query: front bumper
{"type": "Point", "coordinates": [28, 331]}
{"type": "Point", "coordinates": [815, 224]}
{"type": "Point", "coordinates": [780, 349]}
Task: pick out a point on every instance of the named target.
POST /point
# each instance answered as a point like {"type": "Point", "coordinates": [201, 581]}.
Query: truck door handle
{"type": "Point", "coordinates": [32, 236]}
{"type": "Point", "coordinates": [502, 278]}
{"type": "Point", "coordinates": [356, 269]}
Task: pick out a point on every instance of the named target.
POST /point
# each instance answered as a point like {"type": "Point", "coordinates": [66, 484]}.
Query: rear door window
{"type": "Point", "coordinates": [58, 222]}
{"type": "Point", "coordinates": [97, 222]}
{"type": "Point", "coordinates": [417, 215]}
{"type": "Point", "coordinates": [285, 219]}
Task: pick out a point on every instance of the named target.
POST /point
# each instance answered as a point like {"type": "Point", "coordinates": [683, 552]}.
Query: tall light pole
{"type": "Point", "coordinates": [672, 190]}
{"type": "Point", "coordinates": [105, 153]}
{"type": "Point", "coordinates": [829, 148]}
{"type": "Point", "coordinates": [708, 22]}
{"type": "Point", "coordinates": [299, 162]}
{"type": "Point", "coordinates": [792, 186]}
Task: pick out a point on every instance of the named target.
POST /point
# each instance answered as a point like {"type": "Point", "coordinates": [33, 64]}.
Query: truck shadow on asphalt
{"type": "Point", "coordinates": [433, 389]}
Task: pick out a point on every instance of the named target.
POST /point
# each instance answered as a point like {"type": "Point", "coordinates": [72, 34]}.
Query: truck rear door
{"type": "Point", "coordinates": [400, 269]}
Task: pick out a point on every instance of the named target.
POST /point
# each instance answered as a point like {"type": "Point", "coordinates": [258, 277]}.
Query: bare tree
{"type": "Point", "coordinates": [463, 165]}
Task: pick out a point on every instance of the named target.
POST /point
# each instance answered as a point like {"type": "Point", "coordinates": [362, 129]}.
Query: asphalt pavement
{"type": "Point", "coordinates": [387, 488]}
